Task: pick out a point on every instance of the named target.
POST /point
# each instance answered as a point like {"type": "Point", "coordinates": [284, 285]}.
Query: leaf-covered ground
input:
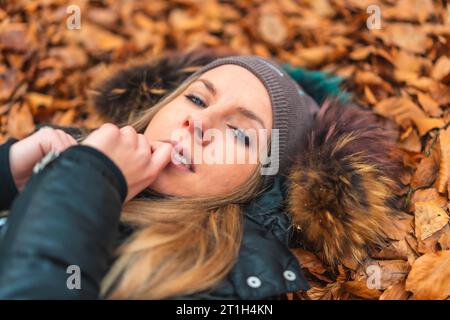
{"type": "Point", "coordinates": [401, 71]}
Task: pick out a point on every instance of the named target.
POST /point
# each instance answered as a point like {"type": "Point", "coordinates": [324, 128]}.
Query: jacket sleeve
{"type": "Point", "coordinates": [66, 216]}
{"type": "Point", "coordinates": [8, 189]}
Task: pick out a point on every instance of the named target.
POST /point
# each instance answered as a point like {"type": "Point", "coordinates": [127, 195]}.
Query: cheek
{"type": "Point", "coordinates": [163, 123]}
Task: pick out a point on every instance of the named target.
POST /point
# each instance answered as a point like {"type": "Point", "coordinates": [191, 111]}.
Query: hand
{"type": "Point", "coordinates": [139, 162]}
{"type": "Point", "coordinates": [26, 153]}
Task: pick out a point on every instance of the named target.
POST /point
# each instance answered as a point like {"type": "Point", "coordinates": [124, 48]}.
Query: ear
{"type": "Point", "coordinates": [136, 87]}
{"type": "Point", "coordinates": [343, 186]}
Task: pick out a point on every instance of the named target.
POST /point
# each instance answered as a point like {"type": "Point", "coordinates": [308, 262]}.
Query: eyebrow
{"type": "Point", "coordinates": [208, 84]}
{"type": "Point", "coordinates": [244, 111]}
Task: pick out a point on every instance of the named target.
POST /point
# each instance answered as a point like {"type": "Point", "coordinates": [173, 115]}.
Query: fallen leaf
{"type": "Point", "coordinates": [430, 105]}
{"type": "Point", "coordinates": [430, 276]}
{"type": "Point", "coordinates": [395, 292]}
{"type": "Point", "coordinates": [15, 36]}
{"type": "Point", "coordinates": [405, 36]}
{"type": "Point", "coordinates": [441, 68]}
{"type": "Point", "coordinates": [428, 194]}
{"type": "Point", "coordinates": [405, 112]}
{"type": "Point", "coordinates": [38, 102]}
{"type": "Point", "coordinates": [310, 262]}
{"type": "Point", "coordinates": [429, 218]}
{"type": "Point", "coordinates": [360, 289]}
{"type": "Point", "coordinates": [380, 274]}
{"type": "Point", "coordinates": [427, 171]}
{"type": "Point", "coordinates": [444, 171]}
{"type": "Point", "coordinates": [20, 121]}
{"type": "Point", "coordinates": [410, 141]}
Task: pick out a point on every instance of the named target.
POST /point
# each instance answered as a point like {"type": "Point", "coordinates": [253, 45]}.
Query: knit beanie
{"type": "Point", "coordinates": [292, 109]}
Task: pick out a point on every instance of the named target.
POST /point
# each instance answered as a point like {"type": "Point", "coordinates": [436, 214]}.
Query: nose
{"type": "Point", "coordinates": [197, 125]}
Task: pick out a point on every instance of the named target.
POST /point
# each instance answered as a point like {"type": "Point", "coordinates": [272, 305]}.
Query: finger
{"type": "Point", "coordinates": [144, 147]}
{"type": "Point", "coordinates": [130, 135]}
{"type": "Point", "coordinates": [57, 142]}
{"type": "Point", "coordinates": [72, 140]}
{"type": "Point", "coordinates": [66, 138]}
{"type": "Point", "coordinates": [161, 157]}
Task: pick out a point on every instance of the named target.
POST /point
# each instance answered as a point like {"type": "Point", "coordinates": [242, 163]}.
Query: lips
{"type": "Point", "coordinates": [181, 154]}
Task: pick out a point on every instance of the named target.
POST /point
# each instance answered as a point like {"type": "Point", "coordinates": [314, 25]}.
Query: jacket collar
{"type": "Point", "coordinates": [265, 266]}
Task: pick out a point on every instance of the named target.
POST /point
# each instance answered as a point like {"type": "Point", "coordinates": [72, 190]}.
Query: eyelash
{"type": "Point", "coordinates": [237, 132]}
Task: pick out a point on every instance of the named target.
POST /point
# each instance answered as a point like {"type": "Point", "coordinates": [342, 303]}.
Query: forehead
{"type": "Point", "coordinates": [237, 84]}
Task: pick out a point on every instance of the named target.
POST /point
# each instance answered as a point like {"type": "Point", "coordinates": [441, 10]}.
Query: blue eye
{"type": "Point", "coordinates": [241, 135]}
{"type": "Point", "coordinates": [196, 100]}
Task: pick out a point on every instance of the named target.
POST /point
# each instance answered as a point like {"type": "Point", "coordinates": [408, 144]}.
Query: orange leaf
{"type": "Point", "coordinates": [444, 172]}
{"type": "Point", "coordinates": [429, 218]}
{"type": "Point", "coordinates": [430, 276]}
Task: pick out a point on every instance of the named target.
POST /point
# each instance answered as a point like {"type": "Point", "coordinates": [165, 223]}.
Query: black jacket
{"type": "Point", "coordinates": [68, 214]}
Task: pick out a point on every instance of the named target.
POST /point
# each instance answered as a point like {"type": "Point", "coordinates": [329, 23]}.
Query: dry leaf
{"type": "Point", "coordinates": [38, 102]}
{"type": "Point", "coordinates": [428, 104]}
{"type": "Point", "coordinates": [410, 141]}
{"type": "Point", "coordinates": [444, 240]}
{"type": "Point", "coordinates": [441, 68]}
{"type": "Point", "coordinates": [430, 276]}
{"type": "Point", "coordinates": [431, 244]}
{"type": "Point", "coordinates": [404, 35]}
{"type": "Point", "coordinates": [427, 171]}
{"type": "Point", "coordinates": [444, 172]}
{"type": "Point", "coordinates": [429, 194]}
{"type": "Point", "coordinates": [395, 292]}
{"type": "Point", "coordinates": [360, 289]}
{"type": "Point", "coordinates": [405, 112]}
{"type": "Point", "coordinates": [429, 218]}
{"type": "Point", "coordinates": [20, 121]}
{"type": "Point", "coordinates": [380, 274]}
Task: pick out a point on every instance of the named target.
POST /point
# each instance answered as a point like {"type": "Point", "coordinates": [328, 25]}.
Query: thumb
{"type": "Point", "coordinates": [161, 157]}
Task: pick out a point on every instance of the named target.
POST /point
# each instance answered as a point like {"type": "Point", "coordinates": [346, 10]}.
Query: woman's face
{"type": "Point", "coordinates": [230, 105]}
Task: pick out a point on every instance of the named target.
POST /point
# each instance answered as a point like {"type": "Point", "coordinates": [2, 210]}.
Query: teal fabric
{"type": "Point", "coordinates": [318, 84]}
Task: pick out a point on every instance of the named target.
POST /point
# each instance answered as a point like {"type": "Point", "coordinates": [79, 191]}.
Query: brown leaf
{"type": "Point", "coordinates": [431, 244]}
{"type": "Point", "coordinates": [412, 10]}
{"type": "Point", "coordinates": [96, 40]}
{"type": "Point", "coordinates": [441, 68]}
{"type": "Point", "coordinates": [430, 276]}
{"type": "Point", "coordinates": [409, 62]}
{"type": "Point", "coordinates": [312, 57]}
{"type": "Point", "coordinates": [271, 26]}
{"type": "Point", "coordinates": [429, 218]}
{"type": "Point", "coordinates": [39, 102]}
{"type": "Point", "coordinates": [410, 140]}
{"type": "Point", "coordinates": [427, 171]}
{"type": "Point", "coordinates": [360, 289]}
{"type": "Point", "coordinates": [370, 78]}
{"type": "Point", "coordinates": [310, 262]}
{"type": "Point", "coordinates": [15, 36]}
{"type": "Point", "coordinates": [71, 56]}
{"type": "Point", "coordinates": [9, 79]}
{"type": "Point", "coordinates": [430, 105]}
{"type": "Point", "coordinates": [400, 226]}
{"type": "Point", "coordinates": [332, 291]}
{"type": "Point", "coordinates": [405, 36]}
{"type": "Point", "coordinates": [380, 274]}
{"type": "Point", "coordinates": [20, 121]}
{"type": "Point", "coordinates": [444, 171]}
{"type": "Point", "coordinates": [395, 292]}
{"type": "Point", "coordinates": [405, 112]}
{"type": "Point", "coordinates": [444, 240]}
{"type": "Point", "coordinates": [429, 194]}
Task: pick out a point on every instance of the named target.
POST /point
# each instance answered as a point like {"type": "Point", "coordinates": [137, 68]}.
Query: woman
{"type": "Point", "coordinates": [184, 232]}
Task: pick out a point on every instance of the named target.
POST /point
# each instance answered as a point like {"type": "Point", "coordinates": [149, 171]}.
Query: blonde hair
{"type": "Point", "coordinates": [180, 245]}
